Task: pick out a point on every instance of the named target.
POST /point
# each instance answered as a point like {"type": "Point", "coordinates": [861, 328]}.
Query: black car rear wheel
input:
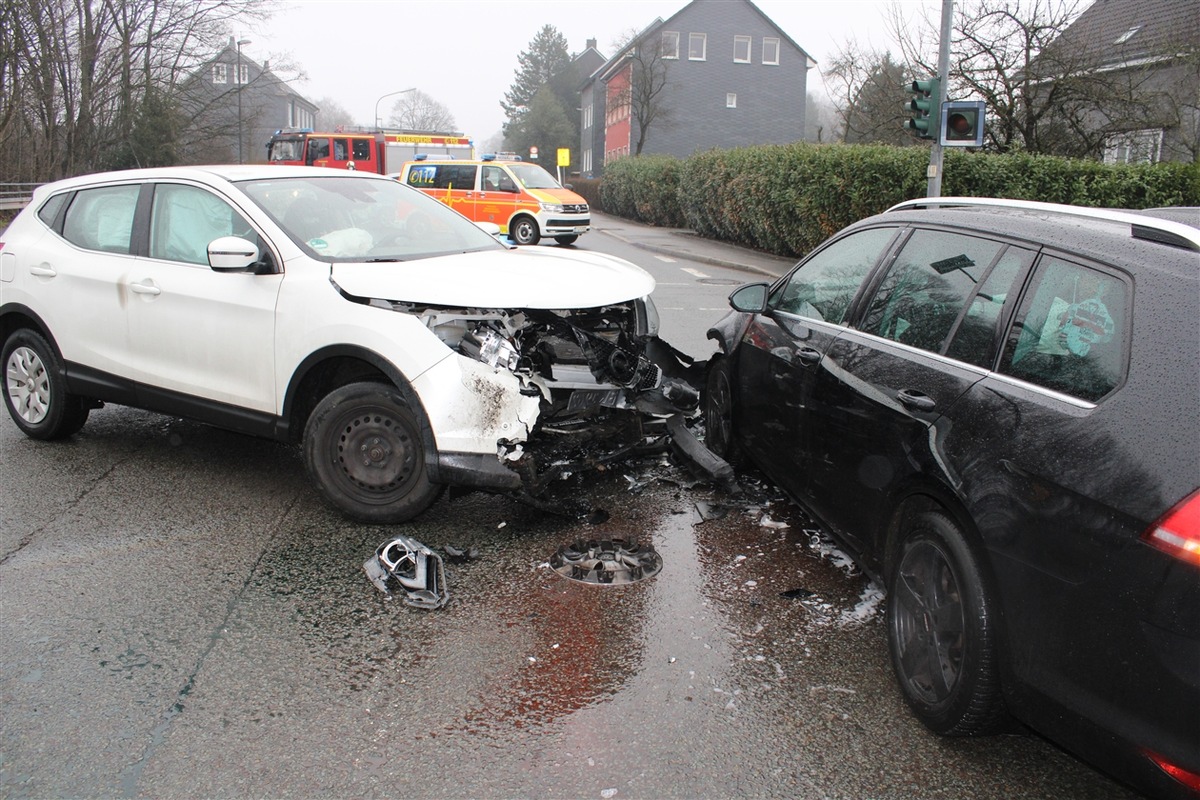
{"type": "Point", "coordinates": [941, 630]}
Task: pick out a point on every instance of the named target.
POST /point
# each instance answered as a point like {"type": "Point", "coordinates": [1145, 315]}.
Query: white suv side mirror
{"type": "Point", "coordinates": [231, 253]}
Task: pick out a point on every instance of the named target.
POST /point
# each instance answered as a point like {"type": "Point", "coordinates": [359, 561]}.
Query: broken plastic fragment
{"type": "Point", "coordinates": [414, 566]}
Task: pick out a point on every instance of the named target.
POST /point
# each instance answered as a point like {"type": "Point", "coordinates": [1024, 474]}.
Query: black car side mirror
{"type": "Point", "coordinates": [750, 299]}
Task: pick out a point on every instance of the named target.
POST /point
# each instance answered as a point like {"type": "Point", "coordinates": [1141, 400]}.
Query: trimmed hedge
{"type": "Point", "coordinates": [645, 188]}
{"type": "Point", "coordinates": [786, 199]}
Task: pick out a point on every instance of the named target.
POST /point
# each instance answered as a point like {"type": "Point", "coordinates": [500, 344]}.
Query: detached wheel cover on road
{"type": "Point", "coordinates": [364, 450]}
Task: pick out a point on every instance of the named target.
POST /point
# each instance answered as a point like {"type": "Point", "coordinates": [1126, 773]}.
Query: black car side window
{"type": "Point", "coordinates": [928, 286]}
{"type": "Point", "coordinates": [1069, 332]}
{"type": "Point", "coordinates": [823, 286]}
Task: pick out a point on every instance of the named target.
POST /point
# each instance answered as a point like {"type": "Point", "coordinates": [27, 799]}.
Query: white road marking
{"type": "Point", "coordinates": [695, 272]}
{"type": "Point", "coordinates": [667, 259]}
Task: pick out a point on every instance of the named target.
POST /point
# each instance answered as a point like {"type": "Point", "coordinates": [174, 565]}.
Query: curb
{"type": "Point", "coordinates": [717, 261]}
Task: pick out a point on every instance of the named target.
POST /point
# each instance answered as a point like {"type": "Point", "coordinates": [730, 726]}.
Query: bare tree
{"type": "Point", "coordinates": [1043, 91]}
{"type": "Point", "coordinates": [869, 96]}
{"type": "Point", "coordinates": [333, 115]}
{"type": "Point", "coordinates": [417, 111]}
{"type": "Point", "coordinates": [643, 95]}
{"type": "Point", "coordinates": [83, 79]}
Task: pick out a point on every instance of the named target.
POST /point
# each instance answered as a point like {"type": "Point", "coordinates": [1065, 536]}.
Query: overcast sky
{"type": "Point", "coordinates": [463, 53]}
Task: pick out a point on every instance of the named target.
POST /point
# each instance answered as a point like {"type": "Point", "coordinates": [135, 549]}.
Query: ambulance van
{"type": "Point", "coordinates": [522, 198]}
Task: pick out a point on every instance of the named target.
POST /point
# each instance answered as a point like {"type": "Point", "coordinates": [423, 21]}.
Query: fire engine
{"type": "Point", "coordinates": [382, 151]}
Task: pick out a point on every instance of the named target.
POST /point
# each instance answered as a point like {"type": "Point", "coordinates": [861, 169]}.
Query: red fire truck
{"type": "Point", "coordinates": [382, 151]}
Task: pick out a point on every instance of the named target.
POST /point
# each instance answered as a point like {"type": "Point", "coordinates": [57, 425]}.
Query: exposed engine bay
{"type": "Point", "coordinates": [609, 387]}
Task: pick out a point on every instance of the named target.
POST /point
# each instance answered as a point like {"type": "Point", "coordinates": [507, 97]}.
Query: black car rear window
{"type": "Point", "coordinates": [1070, 330]}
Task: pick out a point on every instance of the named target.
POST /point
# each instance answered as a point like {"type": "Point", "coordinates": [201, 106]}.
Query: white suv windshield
{"type": "Point", "coordinates": [357, 218]}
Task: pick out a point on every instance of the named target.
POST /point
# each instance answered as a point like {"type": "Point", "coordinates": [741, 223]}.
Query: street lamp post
{"type": "Point", "coordinates": [238, 78]}
{"type": "Point", "coordinates": [378, 122]}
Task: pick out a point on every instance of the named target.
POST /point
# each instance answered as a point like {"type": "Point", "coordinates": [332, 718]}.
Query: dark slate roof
{"type": "Point", "coordinates": [1102, 31]}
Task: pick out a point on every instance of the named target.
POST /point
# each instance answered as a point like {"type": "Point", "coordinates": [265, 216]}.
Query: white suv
{"type": "Point", "coordinates": [404, 346]}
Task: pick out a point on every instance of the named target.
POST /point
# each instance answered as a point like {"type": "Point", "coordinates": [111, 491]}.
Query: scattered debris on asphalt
{"type": "Point", "coordinates": [414, 566]}
{"type": "Point", "coordinates": [606, 561]}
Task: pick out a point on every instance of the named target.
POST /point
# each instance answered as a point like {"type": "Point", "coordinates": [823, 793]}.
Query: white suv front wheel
{"type": "Point", "coordinates": [363, 449]}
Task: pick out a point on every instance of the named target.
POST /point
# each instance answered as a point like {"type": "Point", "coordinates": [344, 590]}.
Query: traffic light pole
{"type": "Point", "coordinates": [933, 186]}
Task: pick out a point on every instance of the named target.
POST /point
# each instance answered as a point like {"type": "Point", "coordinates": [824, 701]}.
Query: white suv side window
{"type": "Point", "coordinates": [184, 219]}
{"type": "Point", "coordinates": [102, 219]}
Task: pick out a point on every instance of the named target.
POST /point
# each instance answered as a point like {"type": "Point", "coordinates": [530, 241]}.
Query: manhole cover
{"type": "Point", "coordinates": [719, 282]}
{"type": "Point", "coordinates": [606, 561]}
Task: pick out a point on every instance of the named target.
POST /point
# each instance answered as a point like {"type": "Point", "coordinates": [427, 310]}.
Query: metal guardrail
{"type": "Point", "coordinates": [14, 196]}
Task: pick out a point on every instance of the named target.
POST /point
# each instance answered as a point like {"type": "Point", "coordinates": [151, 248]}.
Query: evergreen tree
{"type": "Point", "coordinates": [544, 125]}
{"type": "Point", "coordinates": [547, 62]}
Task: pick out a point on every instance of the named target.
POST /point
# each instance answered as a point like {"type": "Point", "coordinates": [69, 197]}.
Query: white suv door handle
{"type": "Point", "coordinates": [43, 272]}
{"type": "Point", "coordinates": [144, 288]}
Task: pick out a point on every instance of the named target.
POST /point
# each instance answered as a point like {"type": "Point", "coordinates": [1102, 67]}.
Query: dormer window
{"type": "Point", "coordinates": [220, 73]}
{"type": "Point", "coordinates": [1127, 35]}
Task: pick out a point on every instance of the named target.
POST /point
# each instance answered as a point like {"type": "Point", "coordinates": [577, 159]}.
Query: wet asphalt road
{"type": "Point", "coordinates": [182, 617]}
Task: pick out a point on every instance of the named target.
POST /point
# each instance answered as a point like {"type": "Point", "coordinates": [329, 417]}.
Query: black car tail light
{"type": "Point", "coordinates": [1177, 533]}
{"type": "Point", "coordinates": [1188, 778]}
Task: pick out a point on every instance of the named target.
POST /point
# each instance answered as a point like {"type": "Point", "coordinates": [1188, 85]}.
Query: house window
{"type": "Point", "coordinates": [731, 100]}
{"type": "Point", "coordinates": [243, 74]}
{"type": "Point", "coordinates": [1134, 147]}
{"type": "Point", "coordinates": [741, 49]}
{"type": "Point", "coordinates": [220, 73]}
{"type": "Point", "coordinates": [770, 51]}
{"type": "Point", "coordinates": [670, 44]}
{"type": "Point", "coordinates": [1127, 35]}
{"type": "Point", "coordinates": [697, 46]}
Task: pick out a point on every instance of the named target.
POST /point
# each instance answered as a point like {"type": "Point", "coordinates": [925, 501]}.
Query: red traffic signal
{"type": "Point", "coordinates": [962, 123]}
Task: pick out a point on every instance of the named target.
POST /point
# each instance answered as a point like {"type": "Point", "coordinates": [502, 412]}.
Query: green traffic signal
{"type": "Point", "coordinates": [924, 108]}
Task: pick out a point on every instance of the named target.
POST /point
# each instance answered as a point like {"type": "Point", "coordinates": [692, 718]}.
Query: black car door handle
{"type": "Point", "coordinates": [808, 355]}
{"type": "Point", "coordinates": [915, 400]}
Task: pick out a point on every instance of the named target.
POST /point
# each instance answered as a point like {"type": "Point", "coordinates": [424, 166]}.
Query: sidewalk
{"type": "Point", "coordinates": [682, 243]}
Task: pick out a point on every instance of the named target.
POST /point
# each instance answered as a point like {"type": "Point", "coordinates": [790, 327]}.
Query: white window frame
{"type": "Point", "coordinates": [731, 99]}
{"type": "Point", "coordinates": [220, 73]}
{"type": "Point", "coordinates": [741, 43]}
{"type": "Point", "coordinates": [768, 42]}
{"type": "Point", "coordinates": [693, 38]}
{"type": "Point", "coordinates": [1134, 147]}
{"type": "Point", "coordinates": [671, 52]}
{"type": "Point", "coordinates": [243, 74]}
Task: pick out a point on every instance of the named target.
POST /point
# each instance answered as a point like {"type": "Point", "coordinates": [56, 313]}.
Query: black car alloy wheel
{"type": "Point", "coordinates": [941, 630]}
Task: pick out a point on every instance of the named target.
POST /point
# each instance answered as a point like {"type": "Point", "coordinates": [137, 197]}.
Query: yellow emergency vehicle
{"type": "Point", "coordinates": [526, 201]}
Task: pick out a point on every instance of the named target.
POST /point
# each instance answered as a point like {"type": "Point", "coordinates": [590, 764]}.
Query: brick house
{"type": "Point", "coordinates": [718, 73]}
{"type": "Point", "coordinates": [234, 105]}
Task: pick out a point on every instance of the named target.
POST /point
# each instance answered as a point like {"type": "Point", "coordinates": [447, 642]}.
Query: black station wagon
{"type": "Point", "coordinates": [995, 406]}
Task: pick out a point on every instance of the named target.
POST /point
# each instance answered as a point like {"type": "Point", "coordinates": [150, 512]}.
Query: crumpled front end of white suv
{"type": "Point", "coordinates": [561, 390]}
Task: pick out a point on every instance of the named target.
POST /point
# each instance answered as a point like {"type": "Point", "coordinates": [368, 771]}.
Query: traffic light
{"type": "Point", "coordinates": [962, 123]}
{"type": "Point", "coordinates": [924, 108]}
